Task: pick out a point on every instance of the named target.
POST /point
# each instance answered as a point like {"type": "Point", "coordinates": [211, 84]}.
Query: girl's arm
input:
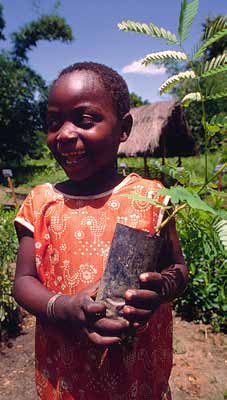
{"type": "Point", "coordinates": [79, 310]}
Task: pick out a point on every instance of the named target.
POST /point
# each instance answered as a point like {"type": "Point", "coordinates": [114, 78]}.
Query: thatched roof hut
{"type": "Point", "coordinates": [159, 130]}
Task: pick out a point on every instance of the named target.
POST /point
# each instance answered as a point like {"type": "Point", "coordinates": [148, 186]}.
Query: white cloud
{"type": "Point", "coordinates": [136, 67]}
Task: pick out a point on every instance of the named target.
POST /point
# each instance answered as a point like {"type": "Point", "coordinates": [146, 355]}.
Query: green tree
{"type": "Point", "coordinates": [23, 92]}
{"type": "Point", "coordinates": [137, 101]}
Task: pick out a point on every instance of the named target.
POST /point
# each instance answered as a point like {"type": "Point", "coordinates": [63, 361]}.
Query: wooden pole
{"type": "Point", "coordinates": [10, 183]}
{"type": "Point", "coordinates": [146, 169]}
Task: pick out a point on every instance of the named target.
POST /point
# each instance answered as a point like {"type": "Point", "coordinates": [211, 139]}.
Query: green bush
{"type": "Point", "coordinates": [204, 298]}
{"type": "Point", "coordinates": [9, 311]}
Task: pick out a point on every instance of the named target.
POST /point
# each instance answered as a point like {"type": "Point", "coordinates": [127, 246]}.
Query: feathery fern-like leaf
{"type": "Point", "coordinates": [220, 120]}
{"type": "Point", "coordinates": [215, 26]}
{"type": "Point", "coordinates": [215, 96]}
{"type": "Point", "coordinates": [213, 39]}
{"type": "Point", "coordinates": [164, 55]}
{"type": "Point", "coordinates": [221, 228]}
{"type": "Point", "coordinates": [189, 98]}
{"type": "Point", "coordinates": [187, 14]}
{"type": "Point", "coordinates": [151, 29]}
{"type": "Point", "coordinates": [215, 62]}
{"type": "Point", "coordinates": [175, 79]}
{"type": "Point", "coordinates": [214, 66]}
{"type": "Point", "coordinates": [214, 71]}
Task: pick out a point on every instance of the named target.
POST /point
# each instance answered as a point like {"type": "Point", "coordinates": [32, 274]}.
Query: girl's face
{"type": "Point", "coordinates": [83, 129]}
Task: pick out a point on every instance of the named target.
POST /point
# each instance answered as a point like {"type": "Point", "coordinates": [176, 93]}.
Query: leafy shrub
{"type": "Point", "coordinates": [204, 298]}
{"type": "Point", "coordinates": [9, 312]}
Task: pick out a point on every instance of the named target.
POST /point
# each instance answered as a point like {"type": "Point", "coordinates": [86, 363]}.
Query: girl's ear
{"type": "Point", "coordinates": [127, 122]}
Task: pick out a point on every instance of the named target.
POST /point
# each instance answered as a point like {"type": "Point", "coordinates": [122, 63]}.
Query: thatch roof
{"type": "Point", "coordinates": [159, 129]}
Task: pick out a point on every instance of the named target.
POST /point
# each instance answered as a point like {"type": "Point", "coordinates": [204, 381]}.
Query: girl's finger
{"type": "Point", "coordinates": [111, 326]}
{"type": "Point", "coordinates": [136, 314]}
{"type": "Point", "coordinates": [151, 280]}
{"type": "Point", "coordinates": [145, 299]}
{"type": "Point", "coordinates": [92, 307]}
{"type": "Point", "coordinates": [102, 340]}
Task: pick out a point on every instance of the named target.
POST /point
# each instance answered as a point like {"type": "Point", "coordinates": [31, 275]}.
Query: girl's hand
{"type": "Point", "coordinates": [82, 311]}
{"type": "Point", "coordinates": [141, 303]}
{"type": "Point", "coordinates": [156, 288]}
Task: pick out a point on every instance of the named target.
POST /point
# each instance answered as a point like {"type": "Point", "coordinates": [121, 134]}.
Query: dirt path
{"type": "Point", "coordinates": [199, 372]}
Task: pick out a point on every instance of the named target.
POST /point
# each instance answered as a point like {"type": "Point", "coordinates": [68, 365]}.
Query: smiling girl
{"type": "Point", "coordinates": [65, 233]}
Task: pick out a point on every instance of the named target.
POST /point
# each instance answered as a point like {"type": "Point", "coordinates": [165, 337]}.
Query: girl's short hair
{"type": "Point", "coordinates": [112, 81]}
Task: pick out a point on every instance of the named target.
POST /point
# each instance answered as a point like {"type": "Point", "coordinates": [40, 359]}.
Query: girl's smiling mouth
{"type": "Point", "coordinates": [73, 157]}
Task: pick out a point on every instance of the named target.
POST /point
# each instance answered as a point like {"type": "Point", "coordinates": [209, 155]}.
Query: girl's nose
{"type": "Point", "coordinates": [67, 132]}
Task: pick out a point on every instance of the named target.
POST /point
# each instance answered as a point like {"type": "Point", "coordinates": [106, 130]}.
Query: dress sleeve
{"type": "Point", "coordinates": [24, 221]}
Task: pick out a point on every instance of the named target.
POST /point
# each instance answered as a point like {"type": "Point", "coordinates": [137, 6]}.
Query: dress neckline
{"type": "Point", "coordinates": [118, 187]}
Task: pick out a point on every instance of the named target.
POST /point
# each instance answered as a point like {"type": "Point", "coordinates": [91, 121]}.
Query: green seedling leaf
{"type": "Point", "coordinates": [180, 194]}
{"type": "Point", "coordinates": [212, 129]}
{"type": "Point", "coordinates": [187, 14]}
{"type": "Point", "coordinates": [136, 196]}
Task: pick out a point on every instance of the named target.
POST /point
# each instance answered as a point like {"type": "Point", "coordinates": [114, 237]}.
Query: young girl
{"type": "Point", "coordinates": [65, 233]}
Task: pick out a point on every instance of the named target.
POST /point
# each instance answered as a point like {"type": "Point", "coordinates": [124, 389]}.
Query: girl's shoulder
{"type": "Point", "coordinates": [40, 195]}
{"type": "Point", "coordinates": [44, 190]}
{"type": "Point", "coordinates": [134, 180]}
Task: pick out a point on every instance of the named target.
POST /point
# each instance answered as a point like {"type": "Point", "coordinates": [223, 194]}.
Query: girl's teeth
{"type": "Point", "coordinates": [73, 157]}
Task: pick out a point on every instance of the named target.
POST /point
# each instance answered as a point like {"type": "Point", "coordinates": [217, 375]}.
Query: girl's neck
{"type": "Point", "coordinates": [99, 183]}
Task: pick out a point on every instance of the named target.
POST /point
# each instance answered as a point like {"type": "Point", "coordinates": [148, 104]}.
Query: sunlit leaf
{"type": "Point", "coordinates": [210, 41]}
{"type": "Point", "coordinates": [164, 55]}
{"type": "Point", "coordinates": [189, 98]}
{"type": "Point", "coordinates": [175, 79]}
{"type": "Point", "coordinates": [151, 29]}
{"type": "Point", "coordinates": [187, 14]}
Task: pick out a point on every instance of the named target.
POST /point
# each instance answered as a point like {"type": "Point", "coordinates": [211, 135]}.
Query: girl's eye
{"type": "Point", "coordinates": [86, 121]}
{"type": "Point", "coordinates": [53, 123]}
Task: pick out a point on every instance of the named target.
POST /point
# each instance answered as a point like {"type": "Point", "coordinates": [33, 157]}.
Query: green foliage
{"type": "Point", "coordinates": [47, 27]}
{"type": "Point", "coordinates": [151, 29]}
{"type": "Point", "coordinates": [204, 299]}
{"type": "Point", "coordinates": [187, 14]}
{"type": "Point", "coordinates": [9, 313]}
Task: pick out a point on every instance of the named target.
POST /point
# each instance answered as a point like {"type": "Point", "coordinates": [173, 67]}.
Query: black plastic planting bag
{"type": "Point", "coordinates": [132, 252]}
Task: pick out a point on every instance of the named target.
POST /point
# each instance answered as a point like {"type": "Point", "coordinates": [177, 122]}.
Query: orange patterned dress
{"type": "Point", "coordinates": [72, 236]}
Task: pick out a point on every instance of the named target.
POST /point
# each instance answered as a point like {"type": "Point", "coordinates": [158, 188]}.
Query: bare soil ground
{"type": "Point", "coordinates": [199, 371]}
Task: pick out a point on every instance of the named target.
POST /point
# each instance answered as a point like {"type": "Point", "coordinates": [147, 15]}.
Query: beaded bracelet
{"type": "Point", "coordinates": [50, 306]}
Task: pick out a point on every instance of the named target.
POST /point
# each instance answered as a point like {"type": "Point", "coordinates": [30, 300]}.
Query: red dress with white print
{"type": "Point", "coordinates": [72, 237]}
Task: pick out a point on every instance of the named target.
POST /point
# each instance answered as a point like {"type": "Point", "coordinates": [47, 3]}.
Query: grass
{"type": "Point", "coordinates": [195, 165]}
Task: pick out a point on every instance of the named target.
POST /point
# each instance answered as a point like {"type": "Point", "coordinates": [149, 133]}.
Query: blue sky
{"type": "Point", "coordinates": [97, 38]}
